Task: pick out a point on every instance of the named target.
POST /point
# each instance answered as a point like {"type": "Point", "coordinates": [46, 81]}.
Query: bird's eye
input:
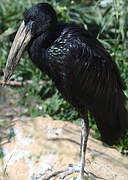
{"type": "Point", "coordinates": [31, 18]}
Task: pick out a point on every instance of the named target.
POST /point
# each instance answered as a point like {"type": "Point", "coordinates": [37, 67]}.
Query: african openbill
{"type": "Point", "coordinates": [81, 68]}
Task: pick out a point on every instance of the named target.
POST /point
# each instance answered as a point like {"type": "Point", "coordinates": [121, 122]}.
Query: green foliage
{"type": "Point", "coordinates": [1, 153]}
{"type": "Point", "coordinates": [123, 146]}
{"type": "Point", "coordinates": [108, 22]}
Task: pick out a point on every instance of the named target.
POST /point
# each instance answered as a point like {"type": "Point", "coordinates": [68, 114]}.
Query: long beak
{"type": "Point", "coordinates": [21, 40]}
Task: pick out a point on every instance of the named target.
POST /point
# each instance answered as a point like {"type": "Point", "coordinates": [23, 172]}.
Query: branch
{"type": "Point", "coordinates": [20, 83]}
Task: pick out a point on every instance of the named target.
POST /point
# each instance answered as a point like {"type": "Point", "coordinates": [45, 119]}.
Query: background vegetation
{"type": "Point", "coordinates": [105, 19]}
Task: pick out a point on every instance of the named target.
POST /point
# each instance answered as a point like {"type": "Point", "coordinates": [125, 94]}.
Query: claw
{"type": "Point", "coordinates": [72, 169]}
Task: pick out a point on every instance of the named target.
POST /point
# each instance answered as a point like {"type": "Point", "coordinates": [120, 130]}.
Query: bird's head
{"type": "Point", "coordinates": [38, 20]}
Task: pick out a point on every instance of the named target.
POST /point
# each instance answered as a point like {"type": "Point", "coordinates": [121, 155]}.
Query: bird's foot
{"type": "Point", "coordinates": [70, 170]}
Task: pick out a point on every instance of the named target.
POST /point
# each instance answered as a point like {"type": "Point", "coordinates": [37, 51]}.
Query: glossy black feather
{"type": "Point", "coordinates": [84, 73]}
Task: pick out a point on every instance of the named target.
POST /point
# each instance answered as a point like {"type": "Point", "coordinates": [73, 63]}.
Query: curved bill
{"type": "Point", "coordinates": [21, 40]}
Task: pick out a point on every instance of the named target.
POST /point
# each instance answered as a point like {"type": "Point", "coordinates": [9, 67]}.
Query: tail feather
{"type": "Point", "coordinates": [112, 124]}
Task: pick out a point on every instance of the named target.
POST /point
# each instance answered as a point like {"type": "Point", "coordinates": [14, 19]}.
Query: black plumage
{"type": "Point", "coordinates": [84, 73]}
{"type": "Point", "coordinates": [81, 68]}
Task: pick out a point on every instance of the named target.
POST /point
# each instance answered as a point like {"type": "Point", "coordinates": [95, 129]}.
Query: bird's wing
{"type": "Point", "coordinates": [97, 74]}
{"type": "Point", "coordinates": [82, 65]}
{"type": "Point", "coordinates": [97, 83]}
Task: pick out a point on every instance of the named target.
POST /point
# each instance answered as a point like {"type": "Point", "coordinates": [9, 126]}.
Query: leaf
{"type": "Point", "coordinates": [7, 32]}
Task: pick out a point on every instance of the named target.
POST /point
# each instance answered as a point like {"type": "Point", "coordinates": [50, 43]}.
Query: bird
{"type": "Point", "coordinates": [80, 67]}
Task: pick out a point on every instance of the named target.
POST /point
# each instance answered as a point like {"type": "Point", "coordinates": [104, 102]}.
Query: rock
{"type": "Point", "coordinates": [43, 145]}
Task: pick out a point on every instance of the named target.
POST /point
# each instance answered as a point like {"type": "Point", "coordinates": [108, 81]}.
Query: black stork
{"type": "Point", "coordinates": [81, 68]}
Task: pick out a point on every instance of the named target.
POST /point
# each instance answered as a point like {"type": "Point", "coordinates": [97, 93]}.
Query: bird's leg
{"type": "Point", "coordinates": [83, 145]}
{"type": "Point", "coordinates": [80, 168]}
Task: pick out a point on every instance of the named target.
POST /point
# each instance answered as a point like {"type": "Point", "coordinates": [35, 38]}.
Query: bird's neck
{"type": "Point", "coordinates": [37, 48]}
{"type": "Point", "coordinates": [44, 40]}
